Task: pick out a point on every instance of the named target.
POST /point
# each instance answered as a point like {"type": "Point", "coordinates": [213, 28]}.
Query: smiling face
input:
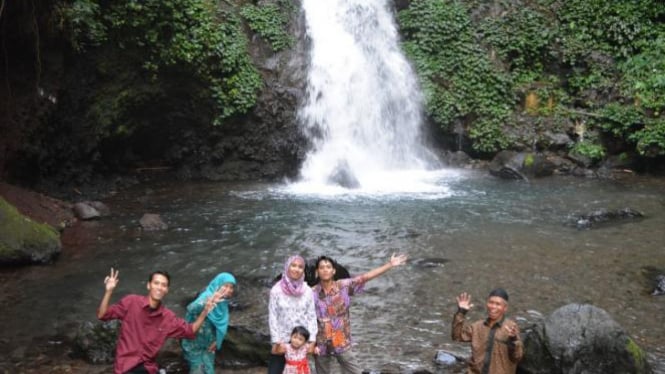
{"type": "Point", "coordinates": [496, 308]}
{"type": "Point", "coordinates": [227, 290]}
{"type": "Point", "coordinates": [296, 269]}
{"type": "Point", "coordinates": [158, 287]}
{"type": "Point", "coordinates": [297, 340]}
{"type": "Point", "coordinates": [325, 270]}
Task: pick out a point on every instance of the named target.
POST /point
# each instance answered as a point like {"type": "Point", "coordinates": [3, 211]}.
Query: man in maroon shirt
{"type": "Point", "coordinates": [146, 323]}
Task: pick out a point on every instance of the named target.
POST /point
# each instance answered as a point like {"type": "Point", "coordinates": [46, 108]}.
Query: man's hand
{"type": "Point", "coordinates": [464, 301]}
{"type": "Point", "coordinates": [513, 330]}
{"type": "Point", "coordinates": [111, 280]}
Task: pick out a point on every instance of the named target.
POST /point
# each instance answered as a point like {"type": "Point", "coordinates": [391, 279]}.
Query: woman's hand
{"type": "Point", "coordinates": [212, 347]}
{"type": "Point", "coordinates": [398, 259]}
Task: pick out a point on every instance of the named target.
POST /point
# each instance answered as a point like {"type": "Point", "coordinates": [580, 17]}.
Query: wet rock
{"type": "Point", "coordinates": [95, 342]}
{"type": "Point", "coordinates": [102, 208]}
{"type": "Point", "coordinates": [24, 241]}
{"type": "Point", "coordinates": [85, 211]}
{"type": "Point", "coordinates": [556, 141]}
{"type": "Point", "coordinates": [582, 161]}
{"type": "Point", "coordinates": [456, 159]}
{"type": "Point", "coordinates": [429, 262]}
{"type": "Point", "coordinates": [521, 165]}
{"type": "Point", "coordinates": [507, 165]}
{"type": "Point", "coordinates": [659, 289]}
{"type": "Point", "coordinates": [152, 222]}
{"type": "Point", "coordinates": [343, 176]}
{"type": "Point", "coordinates": [603, 216]}
{"type": "Point", "coordinates": [244, 347]}
{"type": "Point", "coordinates": [581, 338]}
{"type": "Point", "coordinates": [445, 358]}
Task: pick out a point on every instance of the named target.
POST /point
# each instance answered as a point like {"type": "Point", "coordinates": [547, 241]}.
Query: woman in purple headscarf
{"type": "Point", "coordinates": [291, 304]}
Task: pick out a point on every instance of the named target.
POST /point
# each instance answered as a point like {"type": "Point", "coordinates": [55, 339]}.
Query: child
{"type": "Point", "coordinates": [295, 352]}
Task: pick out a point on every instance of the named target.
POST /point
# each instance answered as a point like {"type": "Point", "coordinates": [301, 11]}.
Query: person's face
{"type": "Point", "coordinates": [227, 290]}
{"type": "Point", "coordinates": [158, 287]}
{"type": "Point", "coordinates": [297, 340]}
{"type": "Point", "coordinates": [496, 308]}
{"type": "Point", "coordinates": [296, 269]}
{"type": "Point", "coordinates": [325, 270]}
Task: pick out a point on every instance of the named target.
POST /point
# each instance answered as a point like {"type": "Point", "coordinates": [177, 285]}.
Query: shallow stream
{"type": "Point", "coordinates": [470, 234]}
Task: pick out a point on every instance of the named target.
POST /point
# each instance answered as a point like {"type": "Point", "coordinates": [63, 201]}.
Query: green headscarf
{"type": "Point", "coordinates": [219, 316]}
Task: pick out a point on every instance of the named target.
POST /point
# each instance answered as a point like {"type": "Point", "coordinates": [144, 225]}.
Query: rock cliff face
{"type": "Point", "coordinates": [50, 136]}
{"type": "Point", "coordinates": [266, 144]}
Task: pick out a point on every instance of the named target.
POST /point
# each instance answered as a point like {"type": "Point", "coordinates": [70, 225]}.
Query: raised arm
{"type": "Point", "coordinates": [395, 260]}
{"type": "Point", "coordinates": [209, 306]}
{"type": "Point", "coordinates": [109, 284]}
{"type": "Point", "coordinates": [461, 331]}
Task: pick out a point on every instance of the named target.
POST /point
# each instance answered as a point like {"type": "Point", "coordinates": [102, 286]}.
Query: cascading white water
{"type": "Point", "coordinates": [363, 107]}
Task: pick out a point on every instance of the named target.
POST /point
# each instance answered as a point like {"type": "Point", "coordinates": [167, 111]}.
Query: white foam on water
{"type": "Point", "coordinates": [363, 110]}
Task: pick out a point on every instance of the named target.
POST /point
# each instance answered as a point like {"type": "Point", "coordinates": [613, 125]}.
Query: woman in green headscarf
{"type": "Point", "coordinates": [200, 352]}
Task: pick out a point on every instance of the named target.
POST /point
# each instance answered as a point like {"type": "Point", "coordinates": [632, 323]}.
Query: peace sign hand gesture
{"type": "Point", "coordinates": [111, 280]}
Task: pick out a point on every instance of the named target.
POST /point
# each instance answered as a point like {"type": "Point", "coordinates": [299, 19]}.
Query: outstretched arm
{"type": "Point", "coordinates": [395, 260]}
{"type": "Point", "coordinates": [109, 283]}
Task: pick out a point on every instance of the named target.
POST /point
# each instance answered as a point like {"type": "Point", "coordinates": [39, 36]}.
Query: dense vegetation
{"type": "Point", "coordinates": [511, 70]}
{"type": "Point", "coordinates": [121, 72]}
{"type": "Point", "coordinates": [99, 84]}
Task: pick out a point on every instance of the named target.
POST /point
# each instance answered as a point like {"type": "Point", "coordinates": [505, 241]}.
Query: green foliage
{"type": "Point", "coordinates": [521, 37]}
{"type": "Point", "coordinates": [644, 76]}
{"type": "Point", "coordinates": [604, 60]}
{"type": "Point", "coordinates": [639, 356]}
{"type": "Point", "coordinates": [611, 27]}
{"type": "Point", "coordinates": [270, 21]}
{"type": "Point", "coordinates": [192, 38]}
{"type": "Point", "coordinates": [81, 22]}
{"type": "Point", "coordinates": [193, 35]}
{"type": "Point", "coordinates": [589, 149]}
{"type": "Point", "coordinates": [457, 76]}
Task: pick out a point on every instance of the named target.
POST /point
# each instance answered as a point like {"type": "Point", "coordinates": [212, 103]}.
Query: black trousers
{"type": "Point", "coordinates": [276, 364]}
{"type": "Point", "coordinates": [140, 369]}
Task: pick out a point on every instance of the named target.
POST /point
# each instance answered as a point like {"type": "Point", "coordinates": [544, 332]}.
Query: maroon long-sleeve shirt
{"type": "Point", "coordinates": [143, 332]}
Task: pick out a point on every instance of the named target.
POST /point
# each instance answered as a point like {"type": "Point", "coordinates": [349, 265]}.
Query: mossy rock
{"type": "Point", "coordinates": [24, 241]}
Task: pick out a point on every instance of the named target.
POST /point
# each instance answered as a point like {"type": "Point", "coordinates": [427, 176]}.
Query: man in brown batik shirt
{"type": "Point", "coordinates": [496, 347]}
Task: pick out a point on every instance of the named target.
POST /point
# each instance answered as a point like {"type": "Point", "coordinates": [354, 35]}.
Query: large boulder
{"type": "Point", "coordinates": [581, 338]}
{"type": "Point", "coordinates": [521, 165]}
{"type": "Point", "coordinates": [95, 342]}
{"type": "Point", "coordinates": [24, 241]}
{"type": "Point", "coordinates": [343, 176]}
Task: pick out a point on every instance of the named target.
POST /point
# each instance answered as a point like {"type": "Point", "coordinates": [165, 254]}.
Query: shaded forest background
{"type": "Point", "coordinates": [210, 89]}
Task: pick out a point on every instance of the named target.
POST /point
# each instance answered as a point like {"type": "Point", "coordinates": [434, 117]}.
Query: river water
{"type": "Point", "coordinates": [471, 234]}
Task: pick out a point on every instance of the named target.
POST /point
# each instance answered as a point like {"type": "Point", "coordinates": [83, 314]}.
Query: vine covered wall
{"type": "Point", "coordinates": [509, 71]}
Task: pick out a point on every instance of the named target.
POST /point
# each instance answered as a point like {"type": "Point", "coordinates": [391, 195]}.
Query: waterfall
{"type": "Point", "coordinates": [363, 109]}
